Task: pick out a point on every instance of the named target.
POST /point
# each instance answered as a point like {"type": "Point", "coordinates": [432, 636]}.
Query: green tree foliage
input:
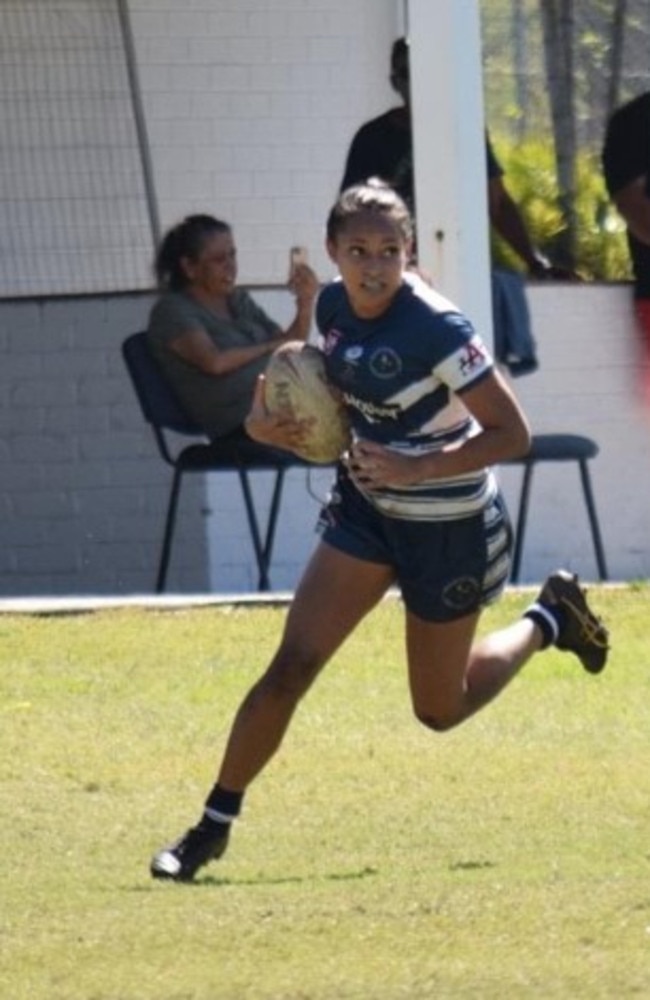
{"type": "Point", "coordinates": [601, 243]}
{"type": "Point", "coordinates": [606, 44]}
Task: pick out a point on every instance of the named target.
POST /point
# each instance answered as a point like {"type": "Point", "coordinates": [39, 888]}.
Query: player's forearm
{"type": "Point", "coordinates": [490, 447]}
{"type": "Point", "coordinates": [508, 222]}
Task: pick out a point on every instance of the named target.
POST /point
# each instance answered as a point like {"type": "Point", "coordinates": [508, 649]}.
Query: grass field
{"type": "Point", "coordinates": [375, 860]}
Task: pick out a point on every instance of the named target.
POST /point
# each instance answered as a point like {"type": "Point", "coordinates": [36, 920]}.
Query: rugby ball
{"type": "Point", "coordinates": [295, 382]}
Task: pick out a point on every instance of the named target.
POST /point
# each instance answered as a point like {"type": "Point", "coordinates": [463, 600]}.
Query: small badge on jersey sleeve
{"type": "Point", "coordinates": [465, 364]}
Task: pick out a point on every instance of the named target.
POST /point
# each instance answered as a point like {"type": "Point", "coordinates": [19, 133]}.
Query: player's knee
{"type": "Point", "coordinates": [292, 672]}
{"type": "Point", "coordinates": [438, 722]}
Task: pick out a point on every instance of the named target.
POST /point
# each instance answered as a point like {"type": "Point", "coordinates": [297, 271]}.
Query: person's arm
{"type": "Point", "coordinates": [196, 347]}
{"type": "Point", "coordinates": [304, 285]}
{"type": "Point", "coordinates": [508, 222]}
{"type": "Point", "coordinates": [633, 203]}
{"type": "Point", "coordinates": [504, 434]}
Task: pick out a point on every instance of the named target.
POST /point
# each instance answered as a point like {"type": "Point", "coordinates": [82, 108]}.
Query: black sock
{"type": "Point", "coordinates": [547, 617]}
{"type": "Point", "coordinates": [222, 806]}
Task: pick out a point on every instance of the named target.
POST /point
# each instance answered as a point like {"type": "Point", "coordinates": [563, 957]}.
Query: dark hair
{"type": "Point", "coordinates": [373, 196]}
{"type": "Point", "coordinates": [186, 239]}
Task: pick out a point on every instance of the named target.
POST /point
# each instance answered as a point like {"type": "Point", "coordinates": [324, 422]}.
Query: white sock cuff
{"type": "Point", "coordinates": [218, 817]}
{"type": "Point", "coordinates": [549, 618]}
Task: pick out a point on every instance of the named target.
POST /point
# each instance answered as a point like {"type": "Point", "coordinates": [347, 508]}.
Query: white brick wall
{"type": "Point", "coordinates": [587, 384]}
{"type": "Point", "coordinates": [250, 107]}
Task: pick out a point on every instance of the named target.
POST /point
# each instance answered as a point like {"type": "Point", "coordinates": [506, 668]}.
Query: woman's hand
{"type": "Point", "coordinates": [279, 430]}
{"type": "Point", "coordinates": [373, 466]}
{"type": "Point", "coordinates": [304, 284]}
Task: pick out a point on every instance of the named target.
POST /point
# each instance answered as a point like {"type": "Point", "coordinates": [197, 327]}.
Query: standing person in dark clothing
{"type": "Point", "coordinates": [383, 148]}
{"type": "Point", "coordinates": [626, 166]}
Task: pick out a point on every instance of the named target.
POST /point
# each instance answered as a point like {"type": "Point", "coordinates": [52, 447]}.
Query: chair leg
{"type": "Point", "coordinates": [274, 510]}
{"type": "Point", "coordinates": [593, 519]}
{"type": "Point", "coordinates": [168, 534]}
{"type": "Point", "coordinates": [262, 549]}
{"type": "Point", "coordinates": [522, 516]}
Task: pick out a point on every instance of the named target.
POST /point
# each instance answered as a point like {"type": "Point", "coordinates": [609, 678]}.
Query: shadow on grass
{"type": "Point", "coordinates": [470, 866]}
{"type": "Point", "coordinates": [210, 881]}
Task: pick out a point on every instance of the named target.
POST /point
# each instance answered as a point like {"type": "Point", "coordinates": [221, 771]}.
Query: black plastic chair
{"type": "Point", "coordinates": [557, 448]}
{"type": "Point", "coordinates": [239, 454]}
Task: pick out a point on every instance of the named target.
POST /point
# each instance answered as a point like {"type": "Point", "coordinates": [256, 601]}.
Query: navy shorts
{"type": "Point", "coordinates": [445, 569]}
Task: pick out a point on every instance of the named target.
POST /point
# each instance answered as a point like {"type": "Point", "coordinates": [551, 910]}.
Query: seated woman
{"type": "Point", "coordinates": [209, 337]}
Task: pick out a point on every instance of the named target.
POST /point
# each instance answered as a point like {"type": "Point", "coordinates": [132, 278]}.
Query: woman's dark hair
{"type": "Point", "coordinates": [373, 196]}
{"type": "Point", "coordinates": [186, 239]}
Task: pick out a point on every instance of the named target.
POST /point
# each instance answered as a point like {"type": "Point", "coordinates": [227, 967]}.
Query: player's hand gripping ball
{"type": "Point", "coordinates": [295, 382]}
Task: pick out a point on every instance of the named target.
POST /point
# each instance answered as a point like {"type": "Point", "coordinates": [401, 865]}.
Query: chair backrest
{"type": "Point", "coordinates": [158, 403]}
{"type": "Point", "coordinates": [163, 413]}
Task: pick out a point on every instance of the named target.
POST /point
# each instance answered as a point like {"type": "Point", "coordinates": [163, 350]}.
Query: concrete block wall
{"type": "Point", "coordinates": [82, 491]}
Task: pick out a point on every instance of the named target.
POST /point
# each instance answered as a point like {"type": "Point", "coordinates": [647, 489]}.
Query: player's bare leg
{"type": "Point", "coordinates": [452, 676]}
{"type": "Point", "coordinates": [335, 593]}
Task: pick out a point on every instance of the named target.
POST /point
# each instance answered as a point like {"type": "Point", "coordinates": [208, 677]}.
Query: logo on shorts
{"type": "Point", "coordinates": [385, 363]}
{"type": "Point", "coordinates": [462, 594]}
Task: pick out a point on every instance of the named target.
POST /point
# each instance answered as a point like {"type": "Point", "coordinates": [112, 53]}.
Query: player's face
{"type": "Point", "coordinates": [371, 254]}
{"type": "Point", "coordinates": [214, 269]}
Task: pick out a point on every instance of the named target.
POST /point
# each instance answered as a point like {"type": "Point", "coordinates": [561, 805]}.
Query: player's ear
{"type": "Point", "coordinates": [330, 246]}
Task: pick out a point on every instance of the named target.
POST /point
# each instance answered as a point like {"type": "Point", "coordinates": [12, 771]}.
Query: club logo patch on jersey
{"type": "Point", "coordinates": [472, 358]}
{"type": "Point", "coordinates": [462, 594]}
{"type": "Point", "coordinates": [385, 363]}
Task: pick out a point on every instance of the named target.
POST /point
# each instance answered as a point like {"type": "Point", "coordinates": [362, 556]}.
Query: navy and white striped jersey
{"type": "Point", "coordinates": [402, 376]}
